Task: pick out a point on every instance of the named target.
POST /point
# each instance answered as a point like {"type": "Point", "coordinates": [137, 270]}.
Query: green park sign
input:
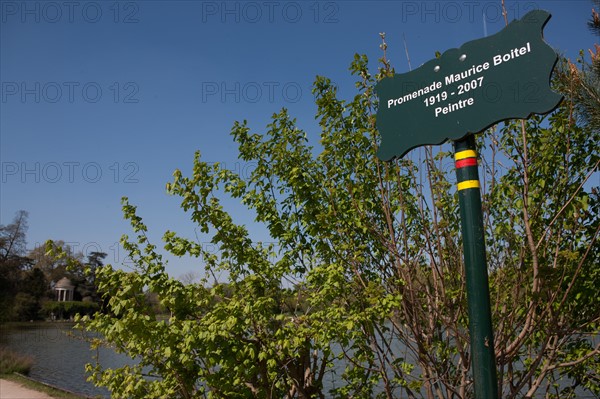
{"type": "Point", "coordinates": [468, 89]}
{"type": "Point", "coordinates": [463, 92]}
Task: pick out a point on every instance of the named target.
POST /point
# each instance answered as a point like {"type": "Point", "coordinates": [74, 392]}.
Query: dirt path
{"type": "Point", "coordinates": [13, 390]}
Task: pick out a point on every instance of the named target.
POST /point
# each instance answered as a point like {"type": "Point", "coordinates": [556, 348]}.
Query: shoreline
{"type": "Point", "coordinates": [27, 386]}
{"type": "Point", "coordinates": [57, 358]}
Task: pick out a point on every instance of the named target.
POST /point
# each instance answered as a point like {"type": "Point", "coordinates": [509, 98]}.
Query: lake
{"type": "Point", "coordinates": [59, 359]}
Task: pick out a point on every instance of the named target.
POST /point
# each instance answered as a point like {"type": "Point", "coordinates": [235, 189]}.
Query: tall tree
{"type": "Point", "coordinates": [95, 260]}
{"type": "Point", "coordinates": [33, 288]}
{"type": "Point", "coordinates": [55, 267]}
{"type": "Point", "coordinates": [580, 80]}
{"type": "Point", "coordinates": [84, 275]}
{"type": "Point", "coordinates": [594, 23]}
{"type": "Point", "coordinates": [12, 260]}
{"type": "Point", "coordinates": [13, 237]}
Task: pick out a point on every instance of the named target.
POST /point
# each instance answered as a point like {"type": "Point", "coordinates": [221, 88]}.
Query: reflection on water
{"type": "Point", "coordinates": [59, 358]}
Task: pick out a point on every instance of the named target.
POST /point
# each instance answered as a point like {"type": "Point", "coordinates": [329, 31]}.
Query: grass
{"type": "Point", "coordinates": [39, 387]}
{"type": "Point", "coordinates": [11, 362]}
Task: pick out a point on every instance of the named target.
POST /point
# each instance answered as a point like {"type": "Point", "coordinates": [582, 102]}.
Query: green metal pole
{"type": "Point", "coordinates": [478, 295]}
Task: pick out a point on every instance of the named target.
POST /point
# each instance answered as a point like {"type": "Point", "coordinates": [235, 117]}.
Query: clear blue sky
{"type": "Point", "coordinates": [104, 99]}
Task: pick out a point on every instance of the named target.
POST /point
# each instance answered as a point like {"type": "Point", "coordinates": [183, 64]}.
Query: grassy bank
{"type": "Point", "coordinates": [11, 362]}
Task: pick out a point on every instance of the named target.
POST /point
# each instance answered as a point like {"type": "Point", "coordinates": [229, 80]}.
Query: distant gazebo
{"type": "Point", "coordinates": [64, 290]}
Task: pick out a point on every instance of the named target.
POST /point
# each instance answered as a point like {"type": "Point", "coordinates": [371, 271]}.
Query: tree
{"type": "Point", "coordinates": [190, 278]}
{"type": "Point", "coordinates": [372, 252]}
{"type": "Point", "coordinates": [33, 289]}
{"type": "Point", "coordinates": [582, 83]}
{"type": "Point", "coordinates": [12, 237]}
{"type": "Point", "coordinates": [84, 275]}
{"type": "Point", "coordinates": [55, 267]}
{"type": "Point", "coordinates": [594, 23]}
{"type": "Point", "coordinates": [26, 307]}
{"type": "Point", "coordinates": [94, 261]}
{"type": "Point", "coordinates": [12, 260]}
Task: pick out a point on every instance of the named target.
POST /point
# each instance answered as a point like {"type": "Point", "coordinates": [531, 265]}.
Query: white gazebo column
{"type": "Point", "coordinates": [64, 290]}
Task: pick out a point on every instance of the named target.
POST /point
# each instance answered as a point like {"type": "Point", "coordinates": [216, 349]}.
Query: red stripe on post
{"type": "Point", "coordinates": [466, 162]}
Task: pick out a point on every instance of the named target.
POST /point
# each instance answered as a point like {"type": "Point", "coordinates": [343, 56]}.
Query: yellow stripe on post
{"type": "Point", "coordinates": [465, 154]}
{"type": "Point", "coordinates": [463, 185]}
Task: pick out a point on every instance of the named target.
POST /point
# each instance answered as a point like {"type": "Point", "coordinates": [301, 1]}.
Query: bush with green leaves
{"type": "Point", "coordinates": [360, 291]}
{"type": "Point", "coordinates": [11, 362]}
{"type": "Point", "coordinates": [69, 309]}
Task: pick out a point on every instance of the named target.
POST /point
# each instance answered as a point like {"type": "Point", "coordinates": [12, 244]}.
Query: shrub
{"type": "Point", "coordinates": [26, 307]}
{"type": "Point", "coordinates": [68, 309]}
{"type": "Point", "coordinates": [11, 362]}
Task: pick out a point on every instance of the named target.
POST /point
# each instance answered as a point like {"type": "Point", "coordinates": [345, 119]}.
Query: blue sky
{"type": "Point", "coordinates": [104, 99]}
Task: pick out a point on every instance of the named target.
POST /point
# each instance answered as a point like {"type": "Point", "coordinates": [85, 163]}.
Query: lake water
{"type": "Point", "coordinates": [59, 359]}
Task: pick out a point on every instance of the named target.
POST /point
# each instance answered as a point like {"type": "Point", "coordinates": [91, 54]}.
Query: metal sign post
{"type": "Point", "coordinates": [478, 296]}
{"type": "Point", "coordinates": [465, 91]}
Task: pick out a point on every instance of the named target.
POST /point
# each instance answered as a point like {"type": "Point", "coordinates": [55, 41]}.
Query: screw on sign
{"type": "Point", "coordinates": [465, 91]}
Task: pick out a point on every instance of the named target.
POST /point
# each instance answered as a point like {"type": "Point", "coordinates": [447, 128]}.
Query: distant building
{"type": "Point", "coordinates": [64, 290]}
